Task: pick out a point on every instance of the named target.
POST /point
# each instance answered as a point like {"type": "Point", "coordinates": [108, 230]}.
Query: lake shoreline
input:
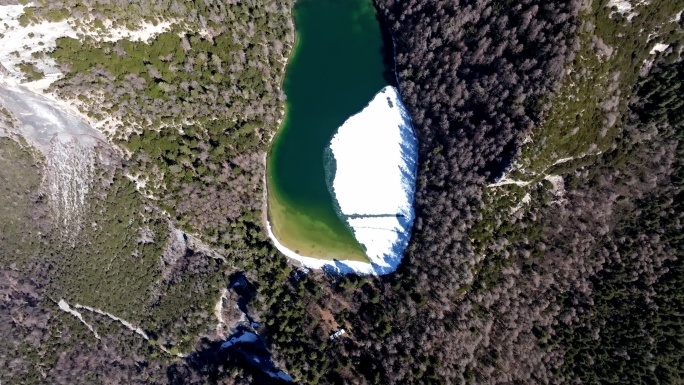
{"type": "Point", "coordinates": [364, 63]}
{"type": "Point", "coordinates": [269, 198]}
{"type": "Point", "coordinates": [385, 238]}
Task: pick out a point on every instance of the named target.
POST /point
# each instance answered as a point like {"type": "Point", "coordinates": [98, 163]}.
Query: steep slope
{"type": "Point", "coordinates": [547, 242]}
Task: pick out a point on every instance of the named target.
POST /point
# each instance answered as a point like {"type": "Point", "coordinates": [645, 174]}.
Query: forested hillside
{"type": "Point", "coordinates": [547, 246]}
{"type": "Point", "coordinates": [175, 206]}
{"type": "Point", "coordinates": [504, 273]}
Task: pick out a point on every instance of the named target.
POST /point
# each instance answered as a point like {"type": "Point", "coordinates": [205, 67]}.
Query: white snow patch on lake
{"type": "Point", "coordinates": [374, 175]}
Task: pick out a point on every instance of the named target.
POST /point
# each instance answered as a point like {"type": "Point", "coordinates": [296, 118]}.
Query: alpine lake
{"type": "Point", "coordinates": [336, 66]}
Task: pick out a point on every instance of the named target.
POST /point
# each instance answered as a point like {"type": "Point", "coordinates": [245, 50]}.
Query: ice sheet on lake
{"type": "Point", "coordinates": [373, 178]}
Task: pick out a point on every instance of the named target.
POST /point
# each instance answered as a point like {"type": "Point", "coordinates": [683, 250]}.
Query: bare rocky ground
{"type": "Point", "coordinates": [65, 138]}
{"type": "Point", "coordinates": [67, 143]}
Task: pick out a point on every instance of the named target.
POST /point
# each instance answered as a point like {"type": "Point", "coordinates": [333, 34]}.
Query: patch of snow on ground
{"type": "Point", "coordinates": [562, 160]}
{"type": "Point", "coordinates": [660, 47]}
{"type": "Point", "coordinates": [140, 181]}
{"type": "Point", "coordinates": [283, 376]}
{"type": "Point", "coordinates": [625, 7]}
{"type": "Point", "coordinates": [375, 162]}
{"type": "Point", "coordinates": [648, 63]}
{"type": "Point", "coordinates": [145, 32]}
{"type": "Point", "coordinates": [524, 201]}
{"type": "Point", "coordinates": [558, 186]}
{"type": "Point", "coordinates": [17, 42]}
{"type": "Point", "coordinates": [41, 118]}
{"type": "Point", "coordinates": [506, 181]}
{"type": "Point", "coordinates": [527, 139]}
{"type": "Point", "coordinates": [253, 347]}
{"type": "Point", "coordinates": [63, 305]}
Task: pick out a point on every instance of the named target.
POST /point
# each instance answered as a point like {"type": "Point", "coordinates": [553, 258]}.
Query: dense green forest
{"type": "Point", "coordinates": [547, 246]}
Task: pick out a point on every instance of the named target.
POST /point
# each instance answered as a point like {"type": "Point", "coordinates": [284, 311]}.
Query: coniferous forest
{"type": "Point", "coordinates": [548, 241]}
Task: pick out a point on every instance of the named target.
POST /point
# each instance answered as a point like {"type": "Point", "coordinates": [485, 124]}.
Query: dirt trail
{"type": "Point", "coordinates": [64, 306]}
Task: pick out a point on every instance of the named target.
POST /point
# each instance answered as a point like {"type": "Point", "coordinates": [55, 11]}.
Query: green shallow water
{"type": "Point", "coordinates": [334, 71]}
